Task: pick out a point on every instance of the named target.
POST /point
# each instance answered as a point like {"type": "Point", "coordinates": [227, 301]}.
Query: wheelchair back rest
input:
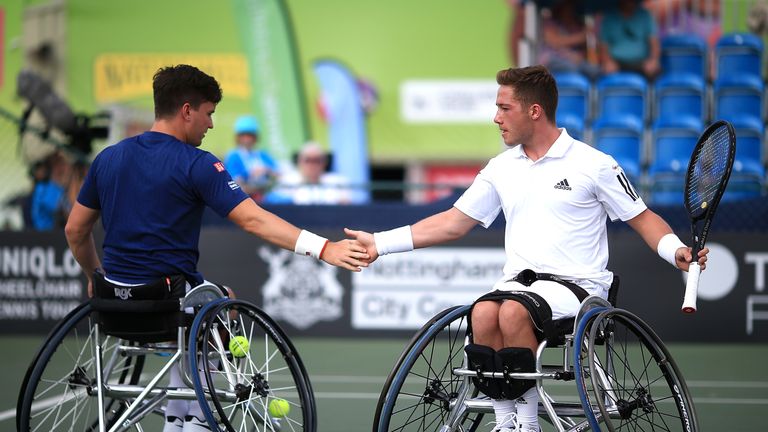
{"type": "Point", "coordinates": [142, 313]}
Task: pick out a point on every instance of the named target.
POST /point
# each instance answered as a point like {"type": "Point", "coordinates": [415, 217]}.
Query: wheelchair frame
{"type": "Point", "coordinates": [122, 405]}
{"type": "Point", "coordinates": [450, 401]}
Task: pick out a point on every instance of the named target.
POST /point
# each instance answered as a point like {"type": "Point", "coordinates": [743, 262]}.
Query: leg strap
{"type": "Point", "coordinates": [515, 360]}
{"type": "Point", "coordinates": [482, 358]}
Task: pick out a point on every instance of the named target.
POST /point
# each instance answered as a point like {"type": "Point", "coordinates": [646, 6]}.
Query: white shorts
{"type": "Point", "coordinates": [561, 300]}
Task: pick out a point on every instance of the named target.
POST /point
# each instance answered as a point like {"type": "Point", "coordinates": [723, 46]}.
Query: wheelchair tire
{"type": "Point", "coordinates": [58, 392]}
{"type": "Point", "coordinates": [420, 392]}
{"type": "Point", "coordinates": [635, 382]}
{"type": "Point", "coordinates": [242, 388]}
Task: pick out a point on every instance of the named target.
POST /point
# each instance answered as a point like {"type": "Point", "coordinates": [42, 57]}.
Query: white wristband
{"type": "Point", "coordinates": [668, 245]}
{"type": "Point", "coordinates": [396, 240]}
{"type": "Point", "coordinates": [310, 244]}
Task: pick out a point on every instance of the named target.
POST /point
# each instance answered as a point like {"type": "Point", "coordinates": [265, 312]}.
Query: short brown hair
{"type": "Point", "coordinates": [532, 85]}
{"type": "Point", "coordinates": [173, 86]}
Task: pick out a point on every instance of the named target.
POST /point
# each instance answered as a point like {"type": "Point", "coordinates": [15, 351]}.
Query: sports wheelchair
{"type": "Point", "coordinates": [625, 377]}
{"type": "Point", "coordinates": [101, 368]}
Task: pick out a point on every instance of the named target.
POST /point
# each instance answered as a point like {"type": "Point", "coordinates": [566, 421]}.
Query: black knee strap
{"type": "Point", "coordinates": [516, 360]}
{"type": "Point", "coordinates": [482, 358]}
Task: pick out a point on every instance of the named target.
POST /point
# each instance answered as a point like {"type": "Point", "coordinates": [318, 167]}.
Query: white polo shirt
{"type": "Point", "coordinates": [556, 209]}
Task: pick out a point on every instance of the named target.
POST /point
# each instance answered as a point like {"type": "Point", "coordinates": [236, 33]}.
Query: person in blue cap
{"type": "Point", "coordinates": [252, 168]}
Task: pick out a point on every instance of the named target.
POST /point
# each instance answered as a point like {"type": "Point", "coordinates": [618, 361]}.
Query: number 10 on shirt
{"type": "Point", "coordinates": [708, 172]}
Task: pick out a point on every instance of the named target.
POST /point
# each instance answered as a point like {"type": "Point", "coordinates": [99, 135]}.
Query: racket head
{"type": "Point", "coordinates": [709, 170]}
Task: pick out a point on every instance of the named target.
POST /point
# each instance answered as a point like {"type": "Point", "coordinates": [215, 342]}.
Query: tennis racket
{"type": "Point", "coordinates": [705, 182]}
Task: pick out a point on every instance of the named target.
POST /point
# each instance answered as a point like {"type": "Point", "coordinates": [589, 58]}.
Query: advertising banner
{"type": "Point", "coordinates": [40, 282]}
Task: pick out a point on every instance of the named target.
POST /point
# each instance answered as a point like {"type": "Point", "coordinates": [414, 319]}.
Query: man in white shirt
{"type": "Point", "coordinates": [555, 193]}
{"type": "Point", "coordinates": [311, 183]}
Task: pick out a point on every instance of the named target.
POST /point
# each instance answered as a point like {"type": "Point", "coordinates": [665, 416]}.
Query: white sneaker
{"type": "Point", "coordinates": [507, 424]}
{"type": "Point", "coordinates": [173, 424]}
{"type": "Point", "coordinates": [194, 424]}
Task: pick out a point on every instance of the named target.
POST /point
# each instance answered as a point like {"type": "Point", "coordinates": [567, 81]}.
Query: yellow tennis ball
{"type": "Point", "coordinates": [238, 346]}
{"type": "Point", "coordinates": [279, 408]}
{"type": "Point", "coordinates": [704, 205]}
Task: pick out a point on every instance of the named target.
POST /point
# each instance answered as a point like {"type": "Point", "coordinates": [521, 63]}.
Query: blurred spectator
{"type": "Point", "coordinates": [629, 40]}
{"type": "Point", "coordinates": [49, 202]}
{"type": "Point", "coordinates": [697, 17]}
{"type": "Point", "coordinates": [311, 183]}
{"type": "Point", "coordinates": [564, 39]}
{"type": "Point", "coordinates": [253, 169]}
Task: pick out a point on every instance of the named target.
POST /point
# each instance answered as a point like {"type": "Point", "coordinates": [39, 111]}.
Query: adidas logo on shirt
{"type": "Point", "coordinates": [563, 184]}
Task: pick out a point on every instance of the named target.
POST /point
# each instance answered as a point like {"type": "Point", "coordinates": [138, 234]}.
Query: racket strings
{"type": "Point", "coordinates": [709, 167]}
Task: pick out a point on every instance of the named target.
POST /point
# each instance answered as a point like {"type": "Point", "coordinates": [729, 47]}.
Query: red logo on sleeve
{"type": "Point", "coordinates": [219, 166]}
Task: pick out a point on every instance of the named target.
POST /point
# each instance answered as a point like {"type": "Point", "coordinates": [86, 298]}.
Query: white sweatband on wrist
{"type": "Point", "coordinates": [396, 240]}
{"type": "Point", "coordinates": [310, 244]}
{"type": "Point", "coordinates": [668, 246]}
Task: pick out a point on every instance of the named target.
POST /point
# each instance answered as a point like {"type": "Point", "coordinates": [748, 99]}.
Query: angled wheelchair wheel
{"type": "Point", "coordinates": [422, 393]}
{"type": "Point", "coordinates": [252, 376]}
{"type": "Point", "coordinates": [635, 382]}
{"type": "Point", "coordinates": [581, 369]}
{"type": "Point", "coordinates": [59, 389]}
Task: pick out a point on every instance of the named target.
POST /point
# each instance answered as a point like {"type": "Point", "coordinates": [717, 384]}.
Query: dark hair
{"type": "Point", "coordinates": [173, 86]}
{"type": "Point", "coordinates": [532, 85]}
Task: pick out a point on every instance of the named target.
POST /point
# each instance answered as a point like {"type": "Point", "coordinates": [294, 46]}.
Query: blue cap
{"type": "Point", "coordinates": [246, 125]}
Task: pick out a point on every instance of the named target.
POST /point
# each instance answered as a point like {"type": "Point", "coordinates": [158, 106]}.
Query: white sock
{"type": "Point", "coordinates": [528, 410]}
{"type": "Point", "coordinates": [176, 407]}
{"type": "Point", "coordinates": [503, 408]}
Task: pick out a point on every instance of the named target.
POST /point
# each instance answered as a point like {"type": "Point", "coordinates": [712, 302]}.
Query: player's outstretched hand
{"type": "Point", "coordinates": [683, 258]}
{"type": "Point", "coordinates": [348, 254]}
{"type": "Point", "coordinates": [365, 239]}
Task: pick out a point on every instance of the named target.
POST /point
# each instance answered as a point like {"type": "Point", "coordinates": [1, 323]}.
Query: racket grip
{"type": "Point", "coordinates": [691, 288]}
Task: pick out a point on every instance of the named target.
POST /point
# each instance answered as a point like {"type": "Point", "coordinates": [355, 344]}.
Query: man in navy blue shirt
{"type": "Point", "coordinates": [150, 192]}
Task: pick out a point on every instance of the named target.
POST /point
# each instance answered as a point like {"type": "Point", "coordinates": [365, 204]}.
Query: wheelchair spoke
{"type": "Point", "coordinates": [638, 380]}
{"type": "Point", "coordinates": [251, 378]}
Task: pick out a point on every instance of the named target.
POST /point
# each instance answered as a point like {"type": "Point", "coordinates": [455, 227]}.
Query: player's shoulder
{"type": "Point", "coordinates": [588, 156]}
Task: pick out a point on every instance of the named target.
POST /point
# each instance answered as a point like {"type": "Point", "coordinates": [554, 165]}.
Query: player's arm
{"type": "Point", "coordinates": [659, 237]}
{"type": "Point", "coordinates": [268, 226]}
{"type": "Point", "coordinates": [79, 233]}
{"type": "Point", "coordinates": [436, 229]}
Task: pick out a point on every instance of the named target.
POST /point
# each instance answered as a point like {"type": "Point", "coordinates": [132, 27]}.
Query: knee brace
{"type": "Point", "coordinates": [483, 359]}
{"type": "Point", "coordinates": [515, 360]}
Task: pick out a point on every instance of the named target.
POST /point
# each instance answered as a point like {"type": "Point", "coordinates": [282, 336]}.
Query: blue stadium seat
{"type": "Point", "coordinates": [623, 93]}
{"type": "Point", "coordinates": [621, 136]}
{"type": "Point", "coordinates": [680, 94]}
{"type": "Point", "coordinates": [749, 147]}
{"type": "Point", "coordinates": [684, 53]}
{"type": "Point", "coordinates": [573, 95]}
{"type": "Point", "coordinates": [668, 190]}
{"type": "Point", "coordinates": [739, 53]}
{"type": "Point", "coordinates": [573, 124]}
{"type": "Point", "coordinates": [742, 187]}
{"type": "Point", "coordinates": [672, 144]}
{"type": "Point", "coordinates": [738, 95]}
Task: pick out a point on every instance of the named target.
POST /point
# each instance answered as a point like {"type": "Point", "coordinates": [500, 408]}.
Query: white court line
{"type": "Point", "coordinates": [361, 379]}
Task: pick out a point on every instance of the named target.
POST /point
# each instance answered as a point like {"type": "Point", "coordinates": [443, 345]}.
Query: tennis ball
{"type": "Point", "coordinates": [238, 346]}
{"type": "Point", "coordinates": [279, 408]}
{"type": "Point", "coordinates": [704, 205]}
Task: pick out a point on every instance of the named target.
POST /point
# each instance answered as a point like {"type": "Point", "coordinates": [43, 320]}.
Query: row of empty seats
{"type": "Point", "coordinates": [657, 159]}
{"type": "Point", "coordinates": [651, 128]}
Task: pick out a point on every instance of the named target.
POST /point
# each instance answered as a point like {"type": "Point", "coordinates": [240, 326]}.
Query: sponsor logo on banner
{"type": "Point", "coordinates": [448, 101]}
{"type": "Point", "coordinates": [300, 290]}
{"type": "Point", "coordinates": [124, 76]}
{"type": "Point", "coordinates": [403, 291]}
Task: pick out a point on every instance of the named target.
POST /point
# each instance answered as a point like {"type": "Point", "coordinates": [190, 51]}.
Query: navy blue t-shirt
{"type": "Point", "coordinates": [151, 190]}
